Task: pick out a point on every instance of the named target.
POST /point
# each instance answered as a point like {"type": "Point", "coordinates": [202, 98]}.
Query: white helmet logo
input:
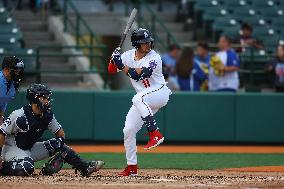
{"type": "Point", "coordinates": [146, 34]}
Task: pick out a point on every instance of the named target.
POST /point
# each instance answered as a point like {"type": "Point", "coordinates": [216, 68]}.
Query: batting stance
{"type": "Point", "coordinates": [21, 130]}
{"type": "Point", "coordinates": [144, 68]}
{"type": "Point", "coordinates": [10, 80]}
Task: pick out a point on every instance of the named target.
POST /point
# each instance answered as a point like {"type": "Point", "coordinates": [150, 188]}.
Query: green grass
{"type": "Point", "coordinates": [187, 161]}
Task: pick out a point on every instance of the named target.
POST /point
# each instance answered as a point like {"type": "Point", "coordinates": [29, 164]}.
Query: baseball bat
{"type": "Point", "coordinates": [128, 26]}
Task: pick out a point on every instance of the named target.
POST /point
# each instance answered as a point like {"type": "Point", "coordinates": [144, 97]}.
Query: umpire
{"type": "Point", "coordinates": [10, 80]}
{"type": "Point", "coordinates": [21, 130]}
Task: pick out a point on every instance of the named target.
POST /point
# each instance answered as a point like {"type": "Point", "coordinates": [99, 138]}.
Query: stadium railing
{"type": "Point", "coordinates": [155, 21]}
{"type": "Point", "coordinates": [32, 59]}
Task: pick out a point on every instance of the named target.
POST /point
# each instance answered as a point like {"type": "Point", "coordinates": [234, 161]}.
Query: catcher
{"type": "Point", "coordinates": [21, 130]}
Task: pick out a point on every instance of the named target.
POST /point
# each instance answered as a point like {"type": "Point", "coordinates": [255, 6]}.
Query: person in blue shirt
{"type": "Point", "coordinates": [276, 67]}
{"type": "Point", "coordinates": [199, 73]}
{"type": "Point", "coordinates": [225, 77]}
{"type": "Point", "coordinates": [10, 80]}
{"type": "Point", "coordinates": [169, 60]}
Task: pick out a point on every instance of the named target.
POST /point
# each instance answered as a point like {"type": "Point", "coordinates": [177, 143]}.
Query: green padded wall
{"type": "Point", "coordinates": [260, 118]}
{"type": "Point", "coordinates": [200, 117]}
{"type": "Point", "coordinates": [188, 117]}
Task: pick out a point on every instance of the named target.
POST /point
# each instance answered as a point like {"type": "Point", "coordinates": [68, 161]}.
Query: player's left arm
{"type": "Point", "coordinates": [136, 74]}
{"type": "Point", "coordinates": [56, 128]}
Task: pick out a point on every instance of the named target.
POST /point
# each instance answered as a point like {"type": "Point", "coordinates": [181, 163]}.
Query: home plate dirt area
{"type": "Point", "coordinates": [247, 177]}
{"type": "Point", "coordinates": [160, 179]}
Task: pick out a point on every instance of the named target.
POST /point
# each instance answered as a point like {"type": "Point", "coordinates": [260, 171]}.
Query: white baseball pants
{"type": "Point", "coordinates": [146, 102]}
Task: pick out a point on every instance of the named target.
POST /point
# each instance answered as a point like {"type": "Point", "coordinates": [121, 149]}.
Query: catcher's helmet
{"type": "Point", "coordinates": [139, 36]}
{"type": "Point", "coordinates": [39, 90]}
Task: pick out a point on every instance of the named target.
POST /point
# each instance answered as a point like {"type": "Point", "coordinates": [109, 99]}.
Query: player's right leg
{"type": "Point", "coordinates": [147, 102]}
{"type": "Point", "coordinates": [133, 124]}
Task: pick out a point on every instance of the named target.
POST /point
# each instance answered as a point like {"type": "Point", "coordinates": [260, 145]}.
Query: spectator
{"type": "Point", "coordinates": [246, 38]}
{"type": "Point", "coordinates": [224, 66]}
{"type": "Point", "coordinates": [199, 74]}
{"type": "Point", "coordinates": [183, 68]}
{"type": "Point", "coordinates": [169, 63]}
{"type": "Point", "coordinates": [276, 66]}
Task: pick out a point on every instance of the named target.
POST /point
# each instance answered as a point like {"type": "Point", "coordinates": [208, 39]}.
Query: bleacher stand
{"type": "Point", "coordinates": [11, 40]}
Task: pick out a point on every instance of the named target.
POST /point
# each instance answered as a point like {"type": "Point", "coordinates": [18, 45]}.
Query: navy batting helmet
{"type": "Point", "coordinates": [139, 36]}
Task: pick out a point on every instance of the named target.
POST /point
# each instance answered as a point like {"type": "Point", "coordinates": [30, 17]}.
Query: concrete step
{"type": "Point", "coordinates": [27, 15]}
{"type": "Point", "coordinates": [172, 26]}
{"type": "Point", "coordinates": [38, 35]}
{"type": "Point", "coordinates": [180, 36]}
{"type": "Point", "coordinates": [33, 26]}
{"type": "Point", "coordinates": [51, 66]}
{"type": "Point", "coordinates": [61, 78]}
{"type": "Point", "coordinates": [164, 16]}
{"type": "Point", "coordinates": [47, 60]}
{"type": "Point", "coordinates": [37, 43]}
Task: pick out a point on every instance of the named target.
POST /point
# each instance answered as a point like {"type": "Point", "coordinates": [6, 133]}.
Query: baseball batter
{"type": "Point", "coordinates": [144, 68]}
{"type": "Point", "coordinates": [21, 130]}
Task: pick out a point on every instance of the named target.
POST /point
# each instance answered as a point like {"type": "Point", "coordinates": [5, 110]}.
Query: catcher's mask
{"type": "Point", "coordinates": [16, 69]}
{"type": "Point", "coordinates": [39, 94]}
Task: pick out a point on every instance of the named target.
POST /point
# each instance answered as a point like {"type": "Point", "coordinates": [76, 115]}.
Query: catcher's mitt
{"type": "Point", "coordinates": [53, 165]}
{"type": "Point", "coordinates": [217, 65]}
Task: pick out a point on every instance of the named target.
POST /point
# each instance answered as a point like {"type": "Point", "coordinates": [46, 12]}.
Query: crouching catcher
{"type": "Point", "coordinates": [19, 135]}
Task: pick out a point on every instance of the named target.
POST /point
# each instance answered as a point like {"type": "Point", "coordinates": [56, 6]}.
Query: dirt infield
{"type": "Point", "coordinates": [246, 177]}
{"type": "Point", "coordinates": [183, 149]}
{"type": "Point", "coordinates": [160, 179]}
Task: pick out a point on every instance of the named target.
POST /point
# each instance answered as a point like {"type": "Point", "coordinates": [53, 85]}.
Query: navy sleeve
{"type": "Point", "coordinates": [233, 59]}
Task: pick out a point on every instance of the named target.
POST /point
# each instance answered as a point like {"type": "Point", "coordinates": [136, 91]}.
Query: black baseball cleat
{"type": "Point", "coordinates": [94, 166]}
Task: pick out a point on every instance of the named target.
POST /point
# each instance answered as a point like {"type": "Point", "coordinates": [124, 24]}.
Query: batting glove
{"type": "Point", "coordinates": [116, 58]}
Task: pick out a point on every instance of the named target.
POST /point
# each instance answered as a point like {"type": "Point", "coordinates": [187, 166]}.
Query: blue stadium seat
{"type": "Point", "coordinates": [271, 13]}
{"type": "Point", "coordinates": [254, 21]}
{"type": "Point", "coordinates": [260, 31]}
{"type": "Point", "coordinates": [244, 13]}
{"type": "Point", "coordinates": [221, 24]}
{"type": "Point", "coordinates": [202, 5]}
{"type": "Point", "coordinates": [258, 4]}
{"type": "Point", "coordinates": [214, 13]}
{"type": "Point", "coordinates": [234, 4]}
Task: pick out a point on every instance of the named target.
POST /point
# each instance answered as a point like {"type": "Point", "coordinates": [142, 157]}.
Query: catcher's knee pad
{"type": "Point", "coordinates": [20, 167]}
{"type": "Point", "coordinates": [52, 146]}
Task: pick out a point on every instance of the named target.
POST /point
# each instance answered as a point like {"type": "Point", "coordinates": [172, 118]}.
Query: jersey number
{"type": "Point", "coordinates": [146, 83]}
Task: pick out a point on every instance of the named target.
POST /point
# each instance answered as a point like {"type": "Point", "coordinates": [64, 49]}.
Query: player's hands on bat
{"type": "Point", "coordinates": [116, 58]}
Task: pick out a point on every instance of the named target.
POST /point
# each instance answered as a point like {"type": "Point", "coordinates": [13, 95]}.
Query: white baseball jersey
{"type": "Point", "coordinates": [153, 60]}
